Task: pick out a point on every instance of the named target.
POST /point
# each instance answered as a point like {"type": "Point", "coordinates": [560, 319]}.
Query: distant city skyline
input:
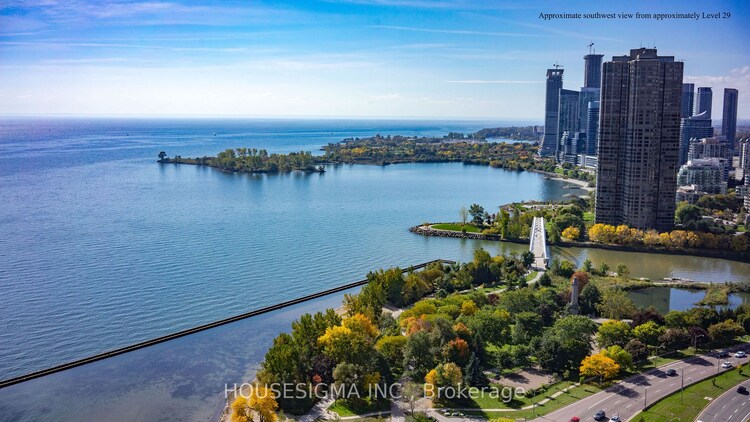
{"type": "Point", "coordinates": [338, 58]}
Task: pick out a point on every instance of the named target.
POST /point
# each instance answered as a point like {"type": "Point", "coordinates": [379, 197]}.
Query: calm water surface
{"type": "Point", "coordinates": [666, 299]}
{"type": "Point", "coordinates": [101, 247]}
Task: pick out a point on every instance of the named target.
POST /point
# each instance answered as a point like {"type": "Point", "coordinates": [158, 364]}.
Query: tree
{"type": "Point", "coordinates": [615, 304]}
{"type": "Point", "coordinates": [674, 339]}
{"type": "Point", "coordinates": [241, 410]}
{"type": "Point", "coordinates": [445, 375]}
{"type": "Point", "coordinates": [589, 299]}
{"type": "Point", "coordinates": [643, 316]}
{"type": "Point", "coordinates": [392, 348]}
{"type": "Point", "coordinates": [352, 341]}
{"type": "Point", "coordinates": [723, 333]}
{"type": "Point", "coordinates": [162, 155]}
{"type": "Point", "coordinates": [614, 333]}
{"type": "Point", "coordinates": [638, 351]}
{"type": "Point", "coordinates": [687, 214]}
{"type": "Point", "coordinates": [468, 307]}
{"type": "Point", "coordinates": [619, 355]}
{"type": "Point", "coordinates": [464, 214]}
{"type": "Point", "coordinates": [528, 258]}
{"type": "Point", "coordinates": [566, 343]}
{"type": "Point", "coordinates": [418, 355]}
{"type": "Point", "coordinates": [261, 400]}
{"type": "Point", "coordinates": [588, 266]}
{"type": "Point", "coordinates": [412, 391]}
{"type": "Point", "coordinates": [545, 280]}
{"type": "Point", "coordinates": [623, 271]}
{"type": "Point", "coordinates": [456, 351]}
{"type": "Point", "coordinates": [473, 374]}
{"type": "Point", "coordinates": [571, 233]}
{"type": "Point", "coordinates": [477, 214]}
{"type": "Point", "coordinates": [599, 366]}
{"type": "Point", "coordinates": [649, 333]}
{"type": "Point", "coordinates": [563, 268]}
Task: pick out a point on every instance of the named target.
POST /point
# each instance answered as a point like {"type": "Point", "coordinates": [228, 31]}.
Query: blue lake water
{"type": "Point", "coordinates": [101, 247]}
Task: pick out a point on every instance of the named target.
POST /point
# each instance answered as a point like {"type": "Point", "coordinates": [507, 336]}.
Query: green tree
{"type": "Point", "coordinates": [477, 214]}
{"type": "Point", "coordinates": [545, 280]}
{"type": "Point", "coordinates": [588, 266]}
{"type": "Point", "coordinates": [613, 333]}
{"type": "Point", "coordinates": [616, 304]}
{"type": "Point", "coordinates": [688, 214]}
{"type": "Point", "coordinates": [418, 355]}
{"type": "Point", "coordinates": [649, 333]}
{"type": "Point", "coordinates": [589, 299]}
{"type": "Point", "coordinates": [619, 355]}
{"type": "Point", "coordinates": [473, 373]}
{"type": "Point", "coordinates": [723, 333]}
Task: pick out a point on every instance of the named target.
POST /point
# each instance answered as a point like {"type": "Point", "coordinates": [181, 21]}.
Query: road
{"type": "Point", "coordinates": [626, 398]}
{"type": "Point", "coordinates": [728, 407]}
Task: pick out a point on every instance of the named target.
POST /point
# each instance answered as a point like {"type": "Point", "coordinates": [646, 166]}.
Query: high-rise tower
{"type": "Point", "coordinates": [688, 94]}
{"type": "Point", "coordinates": [703, 101]}
{"type": "Point", "coordinates": [729, 116]}
{"type": "Point", "coordinates": [639, 131]}
{"type": "Point", "coordinates": [551, 112]}
{"type": "Point", "coordinates": [592, 76]}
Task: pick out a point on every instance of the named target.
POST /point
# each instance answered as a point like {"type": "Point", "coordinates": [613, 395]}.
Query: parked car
{"type": "Point", "coordinates": [741, 389]}
{"type": "Point", "coordinates": [615, 418]}
{"type": "Point", "coordinates": [723, 354]}
{"type": "Point", "coordinates": [599, 415]}
{"type": "Point", "coordinates": [671, 372]}
{"type": "Point", "coordinates": [726, 365]}
{"type": "Point", "coordinates": [740, 354]}
{"type": "Point", "coordinates": [575, 419]}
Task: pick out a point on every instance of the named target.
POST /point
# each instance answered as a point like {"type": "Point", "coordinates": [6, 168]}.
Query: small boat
{"type": "Point", "coordinates": [214, 133]}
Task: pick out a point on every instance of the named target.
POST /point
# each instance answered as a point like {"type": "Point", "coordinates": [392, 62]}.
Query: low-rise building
{"type": "Point", "coordinates": [707, 174]}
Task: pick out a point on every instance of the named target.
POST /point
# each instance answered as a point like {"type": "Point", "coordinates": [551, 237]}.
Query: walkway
{"type": "Point", "coordinates": [538, 244]}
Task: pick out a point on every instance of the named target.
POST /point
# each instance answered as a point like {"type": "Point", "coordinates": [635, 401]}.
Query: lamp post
{"type": "Point", "coordinates": [645, 394]}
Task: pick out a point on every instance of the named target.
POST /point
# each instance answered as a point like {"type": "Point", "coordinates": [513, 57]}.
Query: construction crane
{"type": "Point", "coordinates": [590, 47]}
{"type": "Point", "coordinates": [557, 66]}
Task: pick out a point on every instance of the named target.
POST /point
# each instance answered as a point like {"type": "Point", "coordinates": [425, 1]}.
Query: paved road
{"type": "Point", "coordinates": [626, 398]}
{"type": "Point", "coordinates": [728, 407]}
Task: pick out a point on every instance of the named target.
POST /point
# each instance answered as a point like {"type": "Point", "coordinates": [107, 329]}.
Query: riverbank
{"type": "Point", "coordinates": [428, 230]}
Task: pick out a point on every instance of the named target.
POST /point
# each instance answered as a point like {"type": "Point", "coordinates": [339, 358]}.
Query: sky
{"type": "Point", "coordinates": [462, 59]}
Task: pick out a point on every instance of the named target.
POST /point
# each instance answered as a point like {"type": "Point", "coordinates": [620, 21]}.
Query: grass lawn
{"type": "Point", "coordinates": [485, 402]}
{"type": "Point", "coordinates": [588, 217]}
{"type": "Point", "coordinates": [563, 400]}
{"type": "Point", "coordinates": [530, 276]}
{"type": "Point", "coordinates": [358, 407]}
{"type": "Point", "coordinates": [470, 228]}
{"type": "Point", "coordinates": [687, 405]}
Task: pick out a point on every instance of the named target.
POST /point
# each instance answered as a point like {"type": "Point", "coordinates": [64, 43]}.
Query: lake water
{"type": "Point", "coordinates": [666, 299]}
{"type": "Point", "coordinates": [102, 247]}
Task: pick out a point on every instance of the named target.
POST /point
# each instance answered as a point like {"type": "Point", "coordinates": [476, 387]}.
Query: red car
{"type": "Point", "coordinates": [575, 419]}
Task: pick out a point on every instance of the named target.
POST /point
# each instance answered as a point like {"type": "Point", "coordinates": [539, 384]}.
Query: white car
{"type": "Point", "coordinates": [740, 354]}
{"type": "Point", "coordinates": [726, 365]}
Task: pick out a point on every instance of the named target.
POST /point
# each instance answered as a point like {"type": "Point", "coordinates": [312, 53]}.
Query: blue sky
{"type": "Point", "coordinates": [363, 58]}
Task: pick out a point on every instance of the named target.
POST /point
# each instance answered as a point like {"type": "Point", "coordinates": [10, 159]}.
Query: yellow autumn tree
{"type": "Point", "coordinates": [572, 233]}
{"type": "Point", "coordinates": [600, 366]}
{"type": "Point", "coordinates": [241, 410]}
{"type": "Point", "coordinates": [351, 341]}
{"type": "Point", "coordinates": [261, 401]}
{"type": "Point", "coordinates": [468, 308]}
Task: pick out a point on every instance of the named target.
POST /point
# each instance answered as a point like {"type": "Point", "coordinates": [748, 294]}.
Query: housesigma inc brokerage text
{"type": "Point", "coordinates": [717, 14]}
{"type": "Point", "coordinates": [396, 391]}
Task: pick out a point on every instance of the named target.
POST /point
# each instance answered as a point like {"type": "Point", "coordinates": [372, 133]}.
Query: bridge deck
{"type": "Point", "coordinates": [538, 244]}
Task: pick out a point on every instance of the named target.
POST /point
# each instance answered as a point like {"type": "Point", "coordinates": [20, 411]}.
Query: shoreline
{"type": "Point", "coordinates": [427, 230]}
